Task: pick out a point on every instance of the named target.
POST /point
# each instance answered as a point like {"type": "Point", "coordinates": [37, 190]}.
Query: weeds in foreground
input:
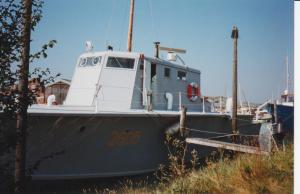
{"type": "Point", "coordinates": [244, 173]}
{"type": "Point", "coordinates": [180, 162]}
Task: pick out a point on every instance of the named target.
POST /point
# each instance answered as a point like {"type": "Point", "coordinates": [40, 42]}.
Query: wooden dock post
{"type": "Point", "coordinates": [182, 124]}
{"type": "Point", "coordinates": [234, 36]}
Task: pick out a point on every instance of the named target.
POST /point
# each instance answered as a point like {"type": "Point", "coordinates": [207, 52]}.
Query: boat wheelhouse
{"type": "Point", "coordinates": [124, 81]}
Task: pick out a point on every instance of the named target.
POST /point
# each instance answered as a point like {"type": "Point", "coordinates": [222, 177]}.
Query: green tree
{"type": "Point", "coordinates": [22, 99]}
{"type": "Point", "coordinates": [17, 19]}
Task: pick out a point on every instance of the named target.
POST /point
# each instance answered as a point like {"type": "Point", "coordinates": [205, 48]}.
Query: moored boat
{"type": "Point", "coordinates": [114, 119]}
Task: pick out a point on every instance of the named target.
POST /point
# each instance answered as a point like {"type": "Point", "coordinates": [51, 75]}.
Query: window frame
{"type": "Point", "coordinates": [180, 78]}
{"type": "Point", "coordinates": [167, 70]}
{"type": "Point", "coordinates": [121, 68]}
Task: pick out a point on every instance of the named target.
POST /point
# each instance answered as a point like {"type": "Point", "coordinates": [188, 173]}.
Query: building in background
{"type": "Point", "coordinates": [59, 88]}
{"type": "Point", "coordinates": [37, 87]}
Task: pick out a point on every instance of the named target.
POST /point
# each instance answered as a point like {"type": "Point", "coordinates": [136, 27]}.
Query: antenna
{"type": "Point", "coordinates": [174, 50]}
{"type": "Point", "coordinates": [172, 53]}
{"type": "Point", "coordinates": [89, 46]}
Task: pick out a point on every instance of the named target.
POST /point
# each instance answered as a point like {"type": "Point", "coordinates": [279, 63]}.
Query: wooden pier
{"type": "Point", "coordinates": [226, 145]}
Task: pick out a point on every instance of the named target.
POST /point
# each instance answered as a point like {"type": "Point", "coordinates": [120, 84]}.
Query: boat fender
{"type": "Point", "coordinates": [51, 100]}
{"type": "Point", "coordinates": [169, 98]}
{"type": "Point", "coordinates": [193, 91]}
{"type": "Point", "coordinates": [173, 129]}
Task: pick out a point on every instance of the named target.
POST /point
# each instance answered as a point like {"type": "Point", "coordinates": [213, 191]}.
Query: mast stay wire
{"type": "Point", "coordinates": [152, 21]}
{"type": "Point", "coordinates": [123, 28]}
{"type": "Point", "coordinates": [109, 24]}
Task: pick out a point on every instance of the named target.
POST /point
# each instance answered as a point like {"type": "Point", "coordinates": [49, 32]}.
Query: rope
{"type": "Point", "coordinates": [219, 133]}
{"type": "Point", "coordinates": [123, 30]}
{"type": "Point", "coordinates": [210, 132]}
{"type": "Point", "coordinates": [222, 136]}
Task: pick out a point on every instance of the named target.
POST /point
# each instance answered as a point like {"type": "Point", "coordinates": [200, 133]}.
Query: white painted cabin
{"type": "Point", "coordinates": [100, 81]}
{"type": "Point", "coordinates": [127, 81]}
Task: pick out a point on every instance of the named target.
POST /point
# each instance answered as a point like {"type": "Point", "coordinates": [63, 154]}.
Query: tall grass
{"type": "Point", "coordinates": [238, 173]}
{"type": "Point", "coordinates": [243, 174]}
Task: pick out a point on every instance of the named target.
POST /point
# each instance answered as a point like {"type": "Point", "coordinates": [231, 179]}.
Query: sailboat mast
{"type": "Point", "coordinates": [129, 40]}
{"type": "Point", "coordinates": [287, 74]}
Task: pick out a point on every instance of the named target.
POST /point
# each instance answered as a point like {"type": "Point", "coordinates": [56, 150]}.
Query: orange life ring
{"type": "Point", "coordinates": [193, 91]}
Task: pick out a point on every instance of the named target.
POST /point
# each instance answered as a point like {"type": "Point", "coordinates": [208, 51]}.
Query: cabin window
{"type": "Point", "coordinates": [181, 75]}
{"type": "Point", "coordinates": [118, 62]}
{"type": "Point", "coordinates": [89, 61]}
{"type": "Point", "coordinates": [167, 72]}
{"type": "Point", "coordinates": [153, 71]}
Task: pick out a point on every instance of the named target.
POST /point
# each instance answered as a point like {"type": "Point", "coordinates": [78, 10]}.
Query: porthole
{"type": "Point", "coordinates": [96, 60]}
{"type": "Point", "coordinates": [83, 61]}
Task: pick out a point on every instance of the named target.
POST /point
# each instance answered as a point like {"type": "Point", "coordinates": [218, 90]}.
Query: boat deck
{"type": "Point", "coordinates": [91, 110]}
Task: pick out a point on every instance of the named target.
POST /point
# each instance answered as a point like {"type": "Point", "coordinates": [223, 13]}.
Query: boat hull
{"type": "Point", "coordinates": [66, 146]}
{"type": "Point", "coordinates": [285, 115]}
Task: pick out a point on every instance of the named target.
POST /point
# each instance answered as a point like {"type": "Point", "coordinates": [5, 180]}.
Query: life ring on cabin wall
{"type": "Point", "coordinates": [193, 91]}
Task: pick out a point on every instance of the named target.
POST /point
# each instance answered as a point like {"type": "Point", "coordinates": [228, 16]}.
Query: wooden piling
{"type": "Point", "coordinates": [182, 124]}
{"type": "Point", "coordinates": [234, 36]}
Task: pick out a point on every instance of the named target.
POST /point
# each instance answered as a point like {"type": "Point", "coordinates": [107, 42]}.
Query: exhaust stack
{"type": "Point", "coordinates": [156, 44]}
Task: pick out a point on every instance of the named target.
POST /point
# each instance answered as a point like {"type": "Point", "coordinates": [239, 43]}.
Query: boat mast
{"type": "Point", "coordinates": [287, 74]}
{"type": "Point", "coordinates": [129, 40]}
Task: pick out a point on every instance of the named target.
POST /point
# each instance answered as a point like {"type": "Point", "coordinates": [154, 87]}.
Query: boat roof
{"type": "Point", "coordinates": [138, 54]}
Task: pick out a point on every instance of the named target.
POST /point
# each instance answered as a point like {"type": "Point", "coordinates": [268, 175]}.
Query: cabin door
{"type": "Point", "coordinates": [84, 82]}
{"type": "Point", "coordinates": [146, 81]}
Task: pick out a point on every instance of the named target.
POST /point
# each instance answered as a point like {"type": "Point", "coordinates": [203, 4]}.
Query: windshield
{"type": "Point", "coordinates": [120, 62]}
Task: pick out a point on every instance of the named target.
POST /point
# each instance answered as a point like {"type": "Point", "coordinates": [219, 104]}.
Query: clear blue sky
{"type": "Point", "coordinates": [203, 27]}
